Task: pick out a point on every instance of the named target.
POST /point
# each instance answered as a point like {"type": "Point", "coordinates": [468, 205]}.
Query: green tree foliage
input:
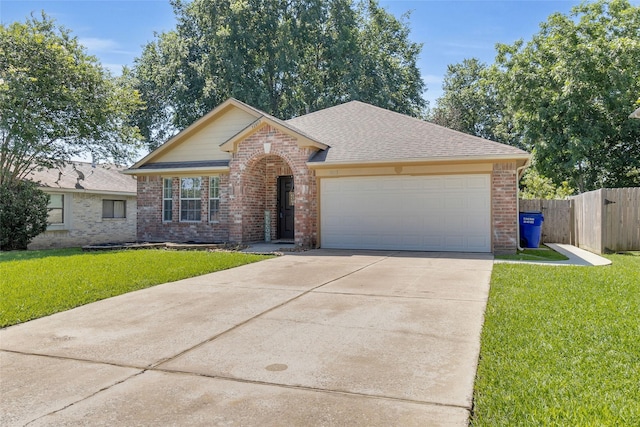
{"type": "Point", "coordinates": [570, 90]}
{"type": "Point", "coordinates": [23, 214]}
{"type": "Point", "coordinates": [566, 95]}
{"type": "Point", "coordinates": [286, 57]}
{"type": "Point", "coordinates": [536, 186]}
{"type": "Point", "coordinates": [57, 102]}
{"type": "Point", "coordinates": [471, 103]}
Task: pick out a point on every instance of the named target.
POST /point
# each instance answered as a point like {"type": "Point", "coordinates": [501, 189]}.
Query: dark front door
{"type": "Point", "coordinates": [286, 207]}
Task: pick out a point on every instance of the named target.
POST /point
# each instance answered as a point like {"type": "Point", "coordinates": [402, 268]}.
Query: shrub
{"type": "Point", "coordinates": [23, 214]}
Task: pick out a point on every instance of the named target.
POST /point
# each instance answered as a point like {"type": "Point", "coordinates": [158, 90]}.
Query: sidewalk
{"type": "Point", "coordinates": [576, 256]}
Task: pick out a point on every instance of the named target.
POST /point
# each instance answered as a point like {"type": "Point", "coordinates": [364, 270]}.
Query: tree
{"type": "Point", "coordinates": [57, 102]}
{"type": "Point", "coordinates": [23, 214]}
{"type": "Point", "coordinates": [286, 57]}
{"type": "Point", "coordinates": [536, 186]}
{"type": "Point", "coordinates": [472, 103]}
{"type": "Point", "coordinates": [463, 98]}
{"type": "Point", "coordinates": [570, 89]}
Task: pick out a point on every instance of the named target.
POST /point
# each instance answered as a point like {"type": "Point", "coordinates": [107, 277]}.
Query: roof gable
{"type": "Point", "coordinates": [304, 140]}
{"type": "Point", "coordinates": [215, 135]}
{"type": "Point", "coordinates": [200, 131]}
{"type": "Point", "coordinates": [358, 132]}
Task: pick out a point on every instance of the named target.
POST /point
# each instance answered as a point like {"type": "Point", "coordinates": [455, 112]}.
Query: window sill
{"type": "Point", "coordinates": [57, 227]}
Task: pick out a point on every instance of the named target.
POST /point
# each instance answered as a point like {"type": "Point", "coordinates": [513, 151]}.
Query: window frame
{"type": "Point", "coordinates": [61, 209]}
{"type": "Point", "coordinates": [113, 209]}
{"type": "Point", "coordinates": [167, 214]}
{"type": "Point", "coordinates": [214, 199]}
{"type": "Point", "coordinates": [195, 200]}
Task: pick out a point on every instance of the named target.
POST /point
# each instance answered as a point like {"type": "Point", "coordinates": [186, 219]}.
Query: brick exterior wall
{"type": "Point", "coordinates": [151, 228]}
{"type": "Point", "coordinates": [504, 207]}
{"type": "Point", "coordinates": [84, 224]}
{"type": "Point", "coordinates": [246, 192]}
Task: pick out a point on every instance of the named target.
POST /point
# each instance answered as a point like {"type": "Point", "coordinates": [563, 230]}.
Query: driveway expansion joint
{"type": "Point", "coordinates": [316, 389]}
{"type": "Point", "coordinates": [417, 297]}
{"type": "Point", "coordinates": [448, 337]}
{"type": "Point", "coordinates": [75, 359]}
{"type": "Point", "coordinates": [87, 397]}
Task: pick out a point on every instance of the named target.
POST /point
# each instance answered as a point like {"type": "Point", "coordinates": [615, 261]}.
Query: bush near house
{"type": "Point", "coordinates": [23, 214]}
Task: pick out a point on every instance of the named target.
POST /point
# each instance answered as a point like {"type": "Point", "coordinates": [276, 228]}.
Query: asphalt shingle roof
{"type": "Point", "coordinates": [359, 132]}
{"type": "Point", "coordinates": [83, 176]}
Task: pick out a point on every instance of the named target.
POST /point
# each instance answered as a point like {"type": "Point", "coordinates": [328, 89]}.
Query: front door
{"type": "Point", "coordinates": [286, 207]}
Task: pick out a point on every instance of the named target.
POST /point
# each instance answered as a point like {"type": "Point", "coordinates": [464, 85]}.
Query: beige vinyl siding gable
{"type": "Point", "coordinates": [205, 143]}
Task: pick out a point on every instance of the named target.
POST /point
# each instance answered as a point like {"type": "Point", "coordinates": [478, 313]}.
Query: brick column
{"type": "Point", "coordinates": [503, 207]}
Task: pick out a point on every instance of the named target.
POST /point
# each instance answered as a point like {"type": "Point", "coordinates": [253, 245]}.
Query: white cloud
{"type": "Point", "coordinates": [431, 79]}
{"type": "Point", "coordinates": [470, 46]}
{"type": "Point", "coordinates": [114, 69]}
{"type": "Point", "coordinates": [98, 45]}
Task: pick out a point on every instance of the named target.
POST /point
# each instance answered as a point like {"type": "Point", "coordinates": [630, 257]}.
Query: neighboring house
{"type": "Point", "coordinates": [89, 205]}
{"type": "Point", "coordinates": [352, 176]}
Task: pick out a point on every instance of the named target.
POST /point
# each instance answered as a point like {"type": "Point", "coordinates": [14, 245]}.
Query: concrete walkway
{"type": "Point", "coordinates": [576, 256]}
{"type": "Point", "coordinates": [322, 337]}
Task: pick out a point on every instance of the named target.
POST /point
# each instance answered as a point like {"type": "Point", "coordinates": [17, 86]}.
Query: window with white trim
{"type": "Point", "coordinates": [167, 199]}
{"type": "Point", "coordinates": [214, 199]}
{"type": "Point", "coordinates": [56, 209]}
{"type": "Point", "coordinates": [114, 209]}
{"type": "Point", "coordinates": [190, 203]}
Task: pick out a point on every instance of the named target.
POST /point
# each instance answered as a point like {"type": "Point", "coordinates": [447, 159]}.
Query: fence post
{"type": "Point", "coordinates": [573, 239]}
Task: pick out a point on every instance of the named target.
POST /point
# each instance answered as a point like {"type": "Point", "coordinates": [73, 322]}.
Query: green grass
{"type": "Point", "coordinates": [38, 283]}
{"type": "Point", "coordinates": [542, 254]}
{"type": "Point", "coordinates": [561, 346]}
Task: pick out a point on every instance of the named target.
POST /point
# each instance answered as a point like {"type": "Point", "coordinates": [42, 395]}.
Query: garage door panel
{"type": "Point", "coordinates": [454, 183]}
{"type": "Point", "coordinates": [476, 241]}
{"type": "Point", "coordinates": [407, 212]}
{"type": "Point", "coordinates": [475, 222]}
{"type": "Point", "coordinates": [412, 204]}
{"type": "Point", "coordinates": [454, 202]}
{"type": "Point", "coordinates": [477, 181]}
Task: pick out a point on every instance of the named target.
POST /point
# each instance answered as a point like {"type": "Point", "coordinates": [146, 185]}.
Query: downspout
{"type": "Point", "coordinates": [519, 172]}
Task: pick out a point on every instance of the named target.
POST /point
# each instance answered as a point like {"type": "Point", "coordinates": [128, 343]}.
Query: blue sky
{"type": "Point", "coordinates": [115, 30]}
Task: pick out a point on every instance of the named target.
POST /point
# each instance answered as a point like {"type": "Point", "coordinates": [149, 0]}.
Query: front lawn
{"type": "Point", "coordinates": [38, 283]}
{"type": "Point", "coordinates": [561, 346]}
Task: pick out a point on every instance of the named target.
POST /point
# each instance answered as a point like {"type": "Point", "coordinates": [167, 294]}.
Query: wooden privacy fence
{"type": "Point", "coordinates": [601, 221]}
{"type": "Point", "coordinates": [558, 217]}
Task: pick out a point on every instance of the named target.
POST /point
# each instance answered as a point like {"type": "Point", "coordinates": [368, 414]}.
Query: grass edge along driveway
{"type": "Point", "coordinates": [560, 346]}
{"type": "Point", "coordinates": [34, 284]}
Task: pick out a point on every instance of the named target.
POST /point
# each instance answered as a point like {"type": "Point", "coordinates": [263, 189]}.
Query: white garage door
{"type": "Point", "coordinates": [430, 213]}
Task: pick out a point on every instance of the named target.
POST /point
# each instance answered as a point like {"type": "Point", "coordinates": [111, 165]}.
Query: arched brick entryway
{"type": "Point", "coordinates": [260, 193]}
{"type": "Point", "coordinates": [254, 173]}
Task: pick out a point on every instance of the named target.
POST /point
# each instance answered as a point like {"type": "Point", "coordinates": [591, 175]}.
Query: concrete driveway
{"type": "Point", "coordinates": [319, 338]}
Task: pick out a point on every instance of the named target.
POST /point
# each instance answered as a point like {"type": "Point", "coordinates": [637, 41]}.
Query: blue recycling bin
{"type": "Point", "coordinates": [530, 229]}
